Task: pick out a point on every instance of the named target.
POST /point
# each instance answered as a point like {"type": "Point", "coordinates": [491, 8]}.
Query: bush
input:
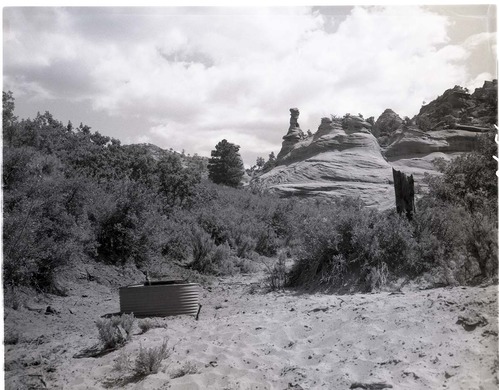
{"type": "Point", "coordinates": [209, 258]}
{"type": "Point", "coordinates": [456, 223]}
{"type": "Point", "coordinates": [277, 274]}
{"type": "Point", "coordinates": [202, 247]}
{"type": "Point", "coordinates": [123, 362]}
{"type": "Point", "coordinates": [43, 231]}
{"type": "Point", "coordinates": [115, 331]}
{"type": "Point", "coordinates": [267, 243]}
{"type": "Point", "coordinates": [349, 247]}
{"type": "Point", "coordinates": [147, 324]}
{"type": "Point", "coordinates": [149, 360]}
{"type": "Point", "coordinates": [131, 230]}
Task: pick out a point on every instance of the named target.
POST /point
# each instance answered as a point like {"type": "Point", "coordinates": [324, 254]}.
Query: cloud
{"type": "Point", "coordinates": [192, 76]}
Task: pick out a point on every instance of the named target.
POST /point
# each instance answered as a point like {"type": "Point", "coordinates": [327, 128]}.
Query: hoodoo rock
{"type": "Point", "coordinates": [294, 135]}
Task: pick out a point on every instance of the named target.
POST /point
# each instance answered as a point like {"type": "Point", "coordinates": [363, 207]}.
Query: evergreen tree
{"type": "Point", "coordinates": [225, 165]}
{"type": "Point", "coordinates": [270, 163]}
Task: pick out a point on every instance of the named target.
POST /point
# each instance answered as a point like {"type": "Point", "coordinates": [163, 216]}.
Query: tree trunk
{"type": "Point", "coordinates": [404, 193]}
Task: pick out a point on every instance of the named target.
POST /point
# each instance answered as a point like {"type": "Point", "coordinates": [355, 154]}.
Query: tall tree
{"type": "Point", "coordinates": [270, 163]}
{"type": "Point", "coordinates": [225, 165]}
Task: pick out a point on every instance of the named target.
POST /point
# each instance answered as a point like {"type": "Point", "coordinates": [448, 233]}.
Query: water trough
{"type": "Point", "coordinates": [160, 298]}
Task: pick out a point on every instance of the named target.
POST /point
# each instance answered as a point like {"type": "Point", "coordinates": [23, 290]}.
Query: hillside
{"type": "Point", "coordinates": [353, 157]}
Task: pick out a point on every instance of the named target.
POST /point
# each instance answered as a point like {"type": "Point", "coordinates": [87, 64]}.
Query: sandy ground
{"type": "Point", "coordinates": [248, 339]}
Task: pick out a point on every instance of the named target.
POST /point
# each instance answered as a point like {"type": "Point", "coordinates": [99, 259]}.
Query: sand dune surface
{"type": "Point", "coordinates": [247, 338]}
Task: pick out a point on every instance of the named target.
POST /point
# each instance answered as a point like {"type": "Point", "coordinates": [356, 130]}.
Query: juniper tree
{"type": "Point", "coordinates": [225, 165]}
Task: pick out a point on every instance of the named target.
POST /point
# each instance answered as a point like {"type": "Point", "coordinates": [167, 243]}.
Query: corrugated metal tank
{"type": "Point", "coordinates": [160, 299]}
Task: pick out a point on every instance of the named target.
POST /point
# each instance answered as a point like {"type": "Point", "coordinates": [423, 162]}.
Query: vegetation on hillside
{"type": "Point", "coordinates": [73, 195]}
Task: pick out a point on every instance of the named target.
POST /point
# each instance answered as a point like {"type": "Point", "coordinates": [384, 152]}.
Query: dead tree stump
{"type": "Point", "coordinates": [404, 193]}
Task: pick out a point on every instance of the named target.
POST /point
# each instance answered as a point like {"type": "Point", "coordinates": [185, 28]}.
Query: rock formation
{"type": "Point", "coordinates": [344, 156]}
{"type": "Point", "coordinates": [294, 135]}
{"type": "Point", "coordinates": [456, 107]}
{"type": "Point", "coordinates": [386, 125]}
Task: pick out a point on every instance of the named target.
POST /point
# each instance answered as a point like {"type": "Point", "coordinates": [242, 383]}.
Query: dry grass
{"type": "Point", "coordinates": [123, 362]}
{"type": "Point", "coordinates": [149, 359]}
{"type": "Point", "coordinates": [147, 324]}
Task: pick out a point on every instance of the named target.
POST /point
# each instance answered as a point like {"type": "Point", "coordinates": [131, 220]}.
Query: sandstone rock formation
{"type": "Point", "coordinates": [413, 151]}
{"type": "Point", "coordinates": [344, 157]}
{"type": "Point", "coordinates": [294, 135]}
{"type": "Point", "coordinates": [457, 108]}
{"type": "Point", "coordinates": [386, 124]}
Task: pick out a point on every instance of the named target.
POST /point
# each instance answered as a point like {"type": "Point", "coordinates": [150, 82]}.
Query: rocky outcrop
{"type": "Point", "coordinates": [457, 108]}
{"type": "Point", "coordinates": [412, 142]}
{"type": "Point", "coordinates": [413, 151]}
{"type": "Point", "coordinates": [344, 156]}
{"type": "Point", "coordinates": [386, 125]}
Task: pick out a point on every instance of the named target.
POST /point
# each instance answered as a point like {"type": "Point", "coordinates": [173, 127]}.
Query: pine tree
{"type": "Point", "coordinates": [225, 165]}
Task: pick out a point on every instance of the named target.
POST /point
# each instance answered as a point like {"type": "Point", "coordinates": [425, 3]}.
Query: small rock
{"type": "Point", "coordinates": [471, 320]}
{"type": "Point", "coordinates": [50, 310]}
{"type": "Point", "coordinates": [371, 386]}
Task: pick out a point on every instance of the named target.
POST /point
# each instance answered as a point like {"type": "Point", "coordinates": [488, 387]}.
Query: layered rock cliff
{"type": "Point", "coordinates": [353, 157]}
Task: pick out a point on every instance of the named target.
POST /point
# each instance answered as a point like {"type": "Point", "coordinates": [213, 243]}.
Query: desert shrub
{"type": "Point", "coordinates": [245, 266]}
{"type": "Point", "coordinates": [131, 231]}
{"type": "Point", "coordinates": [149, 360]}
{"type": "Point", "coordinates": [124, 361]}
{"type": "Point", "coordinates": [354, 248]}
{"type": "Point", "coordinates": [481, 242]}
{"type": "Point", "coordinates": [177, 232]}
{"type": "Point", "coordinates": [210, 258]}
{"type": "Point", "coordinates": [187, 368]}
{"type": "Point", "coordinates": [276, 279]}
{"type": "Point", "coordinates": [222, 260]}
{"type": "Point", "coordinates": [202, 247]}
{"type": "Point", "coordinates": [470, 179]}
{"type": "Point", "coordinates": [115, 331]}
{"type": "Point", "coordinates": [146, 324]}
{"type": "Point", "coordinates": [42, 232]}
{"type": "Point", "coordinates": [245, 246]}
{"type": "Point", "coordinates": [456, 225]}
{"type": "Point", "coordinates": [455, 245]}
{"type": "Point", "coordinates": [267, 243]}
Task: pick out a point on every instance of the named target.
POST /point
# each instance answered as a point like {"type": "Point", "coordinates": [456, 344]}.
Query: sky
{"type": "Point", "coordinates": [188, 77]}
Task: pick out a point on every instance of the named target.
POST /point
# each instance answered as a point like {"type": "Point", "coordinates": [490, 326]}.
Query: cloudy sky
{"type": "Point", "coordinates": [185, 78]}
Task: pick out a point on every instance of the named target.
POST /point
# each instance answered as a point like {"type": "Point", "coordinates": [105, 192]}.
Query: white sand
{"type": "Point", "coordinates": [275, 340]}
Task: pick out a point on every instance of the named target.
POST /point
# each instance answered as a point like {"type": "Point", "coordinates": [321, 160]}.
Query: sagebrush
{"type": "Point", "coordinates": [115, 331]}
{"type": "Point", "coordinates": [149, 360]}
